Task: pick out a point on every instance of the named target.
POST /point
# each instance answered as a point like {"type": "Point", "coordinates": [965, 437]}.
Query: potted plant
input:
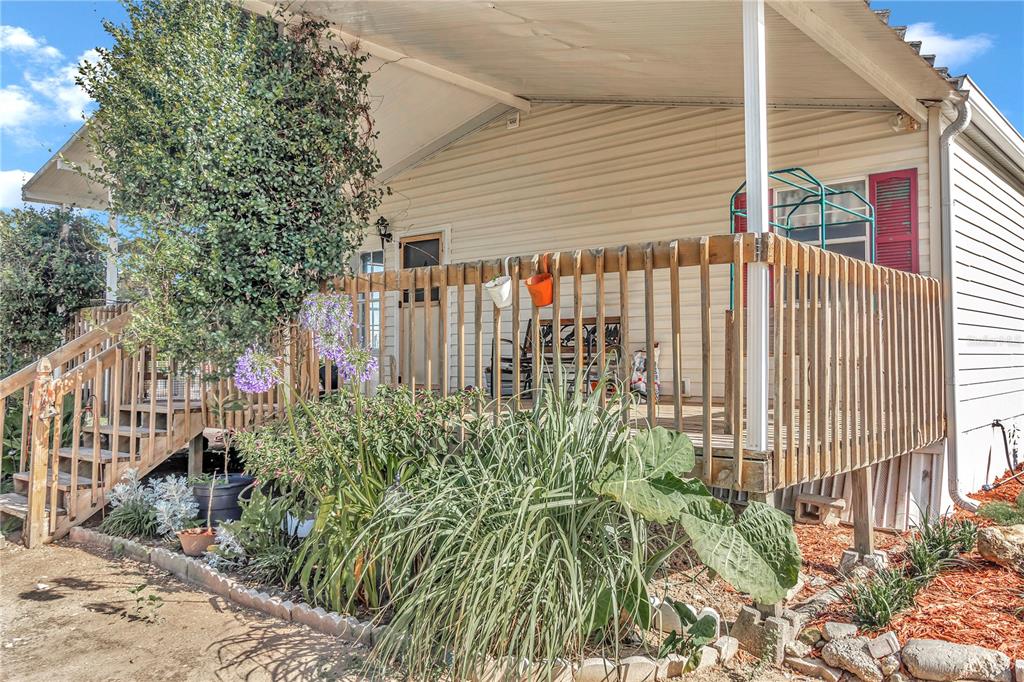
{"type": "Point", "coordinates": [195, 541]}
{"type": "Point", "coordinates": [500, 289]}
{"type": "Point", "coordinates": [219, 494]}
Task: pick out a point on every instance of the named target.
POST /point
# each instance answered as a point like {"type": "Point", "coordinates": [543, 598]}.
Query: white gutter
{"type": "Point", "coordinates": [963, 119]}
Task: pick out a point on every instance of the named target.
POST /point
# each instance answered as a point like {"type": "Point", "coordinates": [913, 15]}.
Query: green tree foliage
{"type": "Point", "coordinates": [242, 149]}
{"type": "Point", "coordinates": [51, 264]}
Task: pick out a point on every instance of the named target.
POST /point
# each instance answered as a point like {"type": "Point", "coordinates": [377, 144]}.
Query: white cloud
{"type": "Point", "coordinates": [948, 50]}
{"type": "Point", "coordinates": [17, 39]}
{"type": "Point", "coordinates": [10, 187]}
{"type": "Point", "coordinates": [16, 107]}
{"type": "Point", "coordinates": [59, 85]}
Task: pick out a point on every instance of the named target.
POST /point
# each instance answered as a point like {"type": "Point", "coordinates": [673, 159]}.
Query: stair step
{"type": "Point", "coordinates": [17, 505]}
{"type": "Point", "coordinates": [63, 480]}
{"type": "Point", "coordinates": [126, 430]}
{"type": "Point", "coordinates": [85, 454]}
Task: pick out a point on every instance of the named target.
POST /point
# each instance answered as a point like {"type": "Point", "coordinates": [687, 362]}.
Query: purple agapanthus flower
{"type": "Point", "coordinates": [255, 371]}
{"type": "Point", "coordinates": [329, 318]}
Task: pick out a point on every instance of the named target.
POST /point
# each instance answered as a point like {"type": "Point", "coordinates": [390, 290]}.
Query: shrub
{"type": "Point", "coordinates": [257, 545]}
{"type": "Point", "coordinates": [244, 152]}
{"type": "Point", "coordinates": [531, 538]}
{"type": "Point", "coordinates": [878, 599]}
{"type": "Point", "coordinates": [52, 265]}
{"type": "Point", "coordinates": [317, 447]}
{"type": "Point", "coordinates": [136, 518]}
{"type": "Point", "coordinates": [1004, 513]}
{"type": "Point", "coordinates": [161, 507]}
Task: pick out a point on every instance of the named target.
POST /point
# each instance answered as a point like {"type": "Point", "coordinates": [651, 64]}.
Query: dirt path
{"type": "Point", "coordinates": [69, 614]}
{"type": "Point", "coordinates": [80, 626]}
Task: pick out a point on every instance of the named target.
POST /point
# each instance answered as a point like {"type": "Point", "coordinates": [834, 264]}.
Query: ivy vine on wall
{"type": "Point", "coordinates": [241, 147]}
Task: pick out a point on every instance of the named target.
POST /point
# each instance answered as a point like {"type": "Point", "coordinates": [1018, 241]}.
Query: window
{"type": "Point", "coordinates": [418, 252]}
{"type": "Point", "coordinates": [370, 262]}
{"type": "Point", "coordinates": [844, 233]}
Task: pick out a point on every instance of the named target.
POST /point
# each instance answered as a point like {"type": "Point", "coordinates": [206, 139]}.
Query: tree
{"type": "Point", "coordinates": [51, 264]}
{"type": "Point", "coordinates": [243, 151]}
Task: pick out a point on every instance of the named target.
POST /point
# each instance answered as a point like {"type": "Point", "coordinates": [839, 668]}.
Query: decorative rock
{"type": "Point", "coordinates": [810, 636]}
{"type": "Point", "coordinates": [79, 535]}
{"type": "Point", "coordinates": [798, 649]}
{"type": "Point", "coordinates": [795, 618]}
{"type": "Point", "coordinates": [851, 654]}
{"type": "Point", "coordinates": [777, 634]}
{"type": "Point", "coordinates": [1019, 670]}
{"type": "Point", "coordinates": [708, 658]}
{"type": "Point", "coordinates": [1003, 545]}
{"type": "Point", "coordinates": [814, 668]}
{"type": "Point", "coordinates": [665, 617]}
{"type": "Point", "coordinates": [360, 633]}
{"type": "Point", "coordinates": [884, 645]}
{"type": "Point", "coordinates": [889, 664]}
{"type": "Point", "coordinates": [708, 611]}
{"type": "Point", "coordinates": [899, 677]}
{"type": "Point", "coordinates": [832, 631]}
{"type": "Point", "coordinates": [727, 648]}
{"type": "Point", "coordinates": [748, 630]}
{"type": "Point", "coordinates": [848, 560]}
{"type": "Point", "coordinates": [130, 549]}
{"type": "Point", "coordinates": [876, 561]}
{"type": "Point", "coordinates": [596, 670]}
{"type": "Point", "coordinates": [637, 669]}
{"type": "Point", "coordinates": [931, 659]}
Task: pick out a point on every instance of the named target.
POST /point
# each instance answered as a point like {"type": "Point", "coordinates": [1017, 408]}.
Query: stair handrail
{"type": "Point", "coordinates": [26, 375]}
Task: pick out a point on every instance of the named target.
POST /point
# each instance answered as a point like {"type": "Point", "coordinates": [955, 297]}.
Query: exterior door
{"type": "Point", "coordinates": [421, 251]}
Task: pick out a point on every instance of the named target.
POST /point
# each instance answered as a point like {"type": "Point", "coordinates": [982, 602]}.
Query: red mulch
{"type": "Point", "coordinates": [1007, 492]}
{"type": "Point", "coordinates": [822, 547]}
{"type": "Point", "coordinates": [978, 603]}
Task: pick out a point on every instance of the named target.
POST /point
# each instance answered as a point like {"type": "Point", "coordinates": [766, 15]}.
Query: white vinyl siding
{"type": "Point", "coordinates": [584, 176]}
{"type": "Point", "coordinates": [988, 272]}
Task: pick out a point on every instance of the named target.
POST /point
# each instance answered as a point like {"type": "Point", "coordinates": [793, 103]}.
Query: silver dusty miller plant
{"type": "Point", "coordinates": [170, 497]}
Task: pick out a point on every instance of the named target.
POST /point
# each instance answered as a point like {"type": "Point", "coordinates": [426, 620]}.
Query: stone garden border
{"type": "Point", "coordinates": [365, 633]}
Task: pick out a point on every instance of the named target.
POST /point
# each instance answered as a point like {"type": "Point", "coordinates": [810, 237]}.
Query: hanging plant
{"type": "Point", "coordinates": [241, 148]}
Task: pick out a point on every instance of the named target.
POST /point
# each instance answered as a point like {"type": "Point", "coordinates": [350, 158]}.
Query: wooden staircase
{"type": "Point", "coordinates": [90, 412]}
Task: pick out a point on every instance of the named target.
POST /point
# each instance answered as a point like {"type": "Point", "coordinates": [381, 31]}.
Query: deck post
{"type": "Point", "coordinates": [755, 116]}
{"type": "Point", "coordinates": [195, 454]}
{"type": "Point", "coordinates": [36, 528]}
{"type": "Point", "coordinates": [863, 528]}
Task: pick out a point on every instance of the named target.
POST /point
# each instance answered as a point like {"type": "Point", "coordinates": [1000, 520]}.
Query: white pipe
{"type": "Point", "coordinates": [755, 117]}
{"type": "Point", "coordinates": [963, 119]}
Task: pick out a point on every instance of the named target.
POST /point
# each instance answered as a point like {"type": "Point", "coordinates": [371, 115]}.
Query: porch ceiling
{"type": "Point", "coordinates": [586, 50]}
{"type": "Point", "coordinates": [443, 69]}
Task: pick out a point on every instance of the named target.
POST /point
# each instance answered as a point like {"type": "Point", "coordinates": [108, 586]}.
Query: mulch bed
{"type": "Point", "coordinates": [977, 603]}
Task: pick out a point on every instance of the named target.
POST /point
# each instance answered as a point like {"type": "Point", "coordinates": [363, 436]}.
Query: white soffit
{"type": "Point", "coordinates": [596, 50]}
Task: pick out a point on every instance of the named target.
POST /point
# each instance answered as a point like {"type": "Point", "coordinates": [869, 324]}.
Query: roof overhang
{"type": "Point", "coordinates": [443, 69]}
{"type": "Point", "coordinates": [990, 130]}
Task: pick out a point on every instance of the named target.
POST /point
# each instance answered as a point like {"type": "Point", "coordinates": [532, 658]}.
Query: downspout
{"type": "Point", "coordinates": [963, 119]}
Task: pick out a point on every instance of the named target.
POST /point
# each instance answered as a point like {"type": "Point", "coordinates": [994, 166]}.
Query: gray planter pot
{"type": "Point", "coordinates": [225, 497]}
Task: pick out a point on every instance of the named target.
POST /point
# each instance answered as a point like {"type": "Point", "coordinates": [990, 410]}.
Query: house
{"type": "Point", "coordinates": [522, 137]}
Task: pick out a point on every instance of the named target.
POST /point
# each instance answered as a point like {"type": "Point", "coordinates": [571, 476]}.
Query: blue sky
{"type": "Point", "coordinates": [41, 41]}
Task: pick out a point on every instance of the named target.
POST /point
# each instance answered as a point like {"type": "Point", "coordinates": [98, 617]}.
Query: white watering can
{"type": "Point", "coordinates": [500, 289]}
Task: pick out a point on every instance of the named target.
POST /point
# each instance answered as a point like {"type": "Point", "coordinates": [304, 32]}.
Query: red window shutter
{"type": "Point", "coordinates": [894, 196]}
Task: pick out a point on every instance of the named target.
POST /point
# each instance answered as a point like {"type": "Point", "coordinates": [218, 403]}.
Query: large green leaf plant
{"type": "Point", "coordinates": [756, 551]}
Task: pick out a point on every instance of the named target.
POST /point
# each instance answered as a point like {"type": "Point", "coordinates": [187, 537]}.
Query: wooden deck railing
{"type": "Point", "coordinates": [855, 361]}
{"type": "Point", "coordinates": [857, 352]}
{"type": "Point", "coordinates": [855, 366]}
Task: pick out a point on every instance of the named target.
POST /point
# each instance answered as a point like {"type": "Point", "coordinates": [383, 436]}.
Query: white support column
{"type": "Point", "coordinates": [755, 116]}
{"type": "Point", "coordinates": [112, 243]}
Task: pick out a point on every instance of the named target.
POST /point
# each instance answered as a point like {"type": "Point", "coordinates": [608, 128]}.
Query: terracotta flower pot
{"type": "Point", "coordinates": [195, 541]}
